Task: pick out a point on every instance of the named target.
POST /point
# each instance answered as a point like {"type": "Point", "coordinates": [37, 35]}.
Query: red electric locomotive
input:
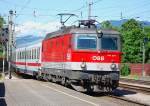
{"type": "Point", "coordinates": [84, 57]}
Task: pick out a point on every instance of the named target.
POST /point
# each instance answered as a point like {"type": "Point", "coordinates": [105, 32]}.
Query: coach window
{"type": "Point", "coordinates": [32, 53]}
{"type": "Point", "coordinates": [24, 55]}
{"type": "Point", "coordinates": [17, 55]}
{"type": "Point", "coordinates": [36, 53]}
{"type": "Point", "coordinates": [39, 52]}
{"type": "Point", "coordinates": [21, 55]}
{"type": "Point", "coordinates": [27, 55]}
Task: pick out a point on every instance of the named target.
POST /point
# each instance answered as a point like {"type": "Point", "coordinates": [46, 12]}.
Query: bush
{"type": "Point", "coordinates": [125, 70]}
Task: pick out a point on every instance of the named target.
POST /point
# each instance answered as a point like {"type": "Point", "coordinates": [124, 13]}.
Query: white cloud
{"type": "Point", "coordinates": [36, 29]}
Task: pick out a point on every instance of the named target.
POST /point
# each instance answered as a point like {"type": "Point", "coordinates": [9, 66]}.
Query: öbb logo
{"type": "Point", "coordinates": [100, 58]}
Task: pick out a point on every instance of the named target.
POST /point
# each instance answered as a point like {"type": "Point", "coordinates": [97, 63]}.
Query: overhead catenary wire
{"type": "Point", "coordinates": [81, 9]}
{"type": "Point", "coordinates": [23, 7]}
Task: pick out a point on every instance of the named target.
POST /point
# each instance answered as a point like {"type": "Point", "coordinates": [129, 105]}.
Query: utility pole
{"type": "Point", "coordinates": [121, 16]}
{"type": "Point", "coordinates": [143, 68]}
{"type": "Point", "coordinates": [89, 12]}
{"type": "Point", "coordinates": [7, 46]}
{"type": "Point", "coordinates": [3, 61]}
{"type": "Point", "coordinates": [145, 41]}
{"type": "Point", "coordinates": [10, 42]}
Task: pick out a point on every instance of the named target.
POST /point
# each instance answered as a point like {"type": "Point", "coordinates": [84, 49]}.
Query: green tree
{"type": "Point", "coordinates": [1, 22]}
{"type": "Point", "coordinates": [147, 45]}
{"type": "Point", "coordinates": [1, 25]}
{"type": "Point", "coordinates": [132, 37]}
{"type": "Point", "coordinates": [106, 25]}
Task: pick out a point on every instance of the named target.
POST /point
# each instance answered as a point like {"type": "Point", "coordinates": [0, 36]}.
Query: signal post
{"type": "Point", "coordinates": [10, 42]}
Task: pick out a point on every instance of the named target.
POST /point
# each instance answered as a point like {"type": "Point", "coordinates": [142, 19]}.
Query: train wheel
{"type": "Point", "coordinates": [49, 77]}
{"type": "Point", "coordinates": [63, 80]}
{"type": "Point", "coordinates": [90, 89]}
{"type": "Point", "coordinates": [54, 79]}
{"type": "Point", "coordinates": [38, 77]}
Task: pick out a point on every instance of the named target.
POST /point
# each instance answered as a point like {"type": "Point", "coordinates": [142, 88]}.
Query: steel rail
{"type": "Point", "coordinates": [135, 87]}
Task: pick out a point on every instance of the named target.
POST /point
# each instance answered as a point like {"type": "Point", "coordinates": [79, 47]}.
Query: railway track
{"type": "Point", "coordinates": [128, 86]}
{"type": "Point", "coordinates": [124, 101]}
{"type": "Point", "coordinates": [135, 85]}
{"type": "Point", "coordinates": [135, 81]}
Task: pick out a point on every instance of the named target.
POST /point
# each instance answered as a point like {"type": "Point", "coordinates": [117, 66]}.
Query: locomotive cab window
{"type": "Point", "coordinates": [109, 43]}
{"type": "Point", "coordinates": [86, 42]}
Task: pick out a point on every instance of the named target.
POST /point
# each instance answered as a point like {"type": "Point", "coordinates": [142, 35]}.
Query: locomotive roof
{"type": "Point", "coordinates": [73, 29]}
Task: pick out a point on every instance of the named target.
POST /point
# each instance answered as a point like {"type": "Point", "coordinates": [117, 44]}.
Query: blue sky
{"type": "Point", "coordinates": [45, 11]}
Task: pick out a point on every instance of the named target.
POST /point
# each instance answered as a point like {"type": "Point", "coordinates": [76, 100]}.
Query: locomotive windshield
{"type": "Point", "coordinates": [109, 43]}
{"type": "Point", "coordinates": [86, 42]}
{"type": "Point", "coordinates": [92, 42]}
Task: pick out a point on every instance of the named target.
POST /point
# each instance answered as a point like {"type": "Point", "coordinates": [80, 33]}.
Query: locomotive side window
{"type": "Point", "coordinates": [109, 43]}
{"type": "Point", "coordinates": [86, 42]}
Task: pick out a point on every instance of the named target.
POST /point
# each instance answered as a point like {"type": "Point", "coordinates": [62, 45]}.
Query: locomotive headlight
{"type": "Point", "coordinates": [83, 65]}
{"type": "Point", "coordinates": [113, 66]}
